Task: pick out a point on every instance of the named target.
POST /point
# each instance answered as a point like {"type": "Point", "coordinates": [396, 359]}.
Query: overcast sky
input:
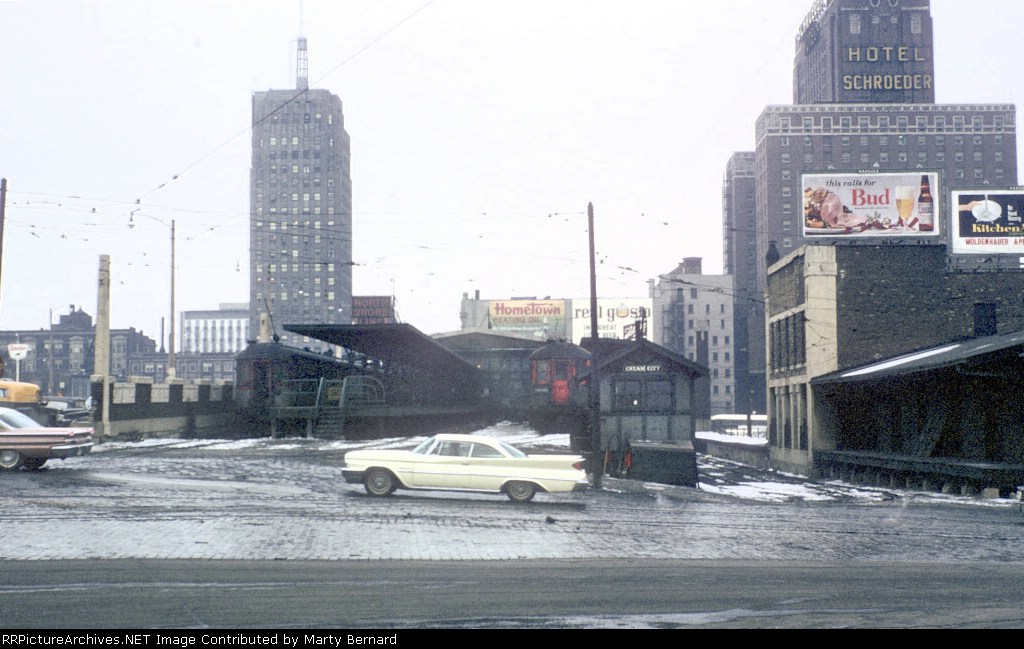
{"type": "Point", "coordinates": [480, 131]}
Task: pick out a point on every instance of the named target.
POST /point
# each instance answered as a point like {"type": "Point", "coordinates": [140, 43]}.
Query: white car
{"type": "Point", "coordinates": [465, 463]}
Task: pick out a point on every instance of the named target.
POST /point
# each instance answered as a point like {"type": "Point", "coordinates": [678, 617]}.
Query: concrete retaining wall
{"type": "Point", "coordinates": [750, 454]}
{"type": "Point", "coordinates": [140, 409]}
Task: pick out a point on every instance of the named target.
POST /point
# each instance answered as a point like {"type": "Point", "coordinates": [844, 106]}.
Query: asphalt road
{"type": "Point", "coordinates": [589, 594]}
{"type": "Point", "coordinates": [268, 536]}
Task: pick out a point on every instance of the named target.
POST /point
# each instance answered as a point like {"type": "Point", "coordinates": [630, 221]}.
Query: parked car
{"type": "Point", "coordinates": [21, 396]}
{"type": "Point", "coordinates": [26, 443]}
{"type": "Point", "coordinates": [465, 463]}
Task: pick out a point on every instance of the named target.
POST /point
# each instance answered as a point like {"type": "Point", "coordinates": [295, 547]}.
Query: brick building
{"type": "Point", "coordinates": [61, 359]}
{"type": "Point", "coordinates": [831, 307]}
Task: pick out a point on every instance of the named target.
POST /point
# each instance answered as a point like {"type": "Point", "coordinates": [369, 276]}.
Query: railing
{"type": "Point", "coordinates": [352, 391]}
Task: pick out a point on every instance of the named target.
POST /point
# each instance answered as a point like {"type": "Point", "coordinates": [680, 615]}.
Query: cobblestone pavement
{"type": "Point", "coordinates": [285, 499]}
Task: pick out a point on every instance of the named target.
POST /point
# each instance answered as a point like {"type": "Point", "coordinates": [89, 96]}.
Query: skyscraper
{"type": "Point", "coordinates": [741, 263]}
{"type": "Point", "coordinates": [865, 51]}
{"type": "Point", "coordinates": [300, 235]}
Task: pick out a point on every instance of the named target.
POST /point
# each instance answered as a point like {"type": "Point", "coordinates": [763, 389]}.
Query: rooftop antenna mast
{"type": "Point", "coordinates": [302, 62]}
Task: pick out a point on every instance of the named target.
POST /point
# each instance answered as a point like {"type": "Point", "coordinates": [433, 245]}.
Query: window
{"type": "Point", "coordinates": [628, 395]}
{"type": "Point", "coordinates": [646, 395]}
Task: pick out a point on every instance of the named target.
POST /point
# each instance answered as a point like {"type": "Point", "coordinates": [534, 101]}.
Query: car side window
{"type": "Point", "coordinates": [455, 449]}
{"type": "Point", "coordinates": [483, 450]}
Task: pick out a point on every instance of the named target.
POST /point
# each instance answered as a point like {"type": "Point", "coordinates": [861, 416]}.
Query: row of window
{"type": "Point", "coordinates": [295, 154]}
{"type": "Point", "coordinates": [787, 348]}
{"type": "Point", "coordinates": [295, 182]}
{"type": "Point", "coordinates": [300, 118]}
{"type": "Point", "coordinates": [273, 268]}
{"type": "Point", "coordinates": [295, 141]}
{"type": "Point", "coordinates": [901, 140]}
{"type": "Point", "coordinates": [916, 19]}
{"type": "Point", "coordinates": [690, 323]}
{"type": "Point", "coordinates": [297, 295]}
{"type": "Point", "coordinates": [283, 225]}
{"type": "Point", "coordinates": [901, 122]}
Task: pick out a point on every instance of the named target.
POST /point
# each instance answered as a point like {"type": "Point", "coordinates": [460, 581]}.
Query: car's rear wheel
{"type": "Point", "coordinates": [34, 463]}
{"type": "Point", "coordinates": [520, 492]}
{"type": "Point", "coordinates": [379, 482]}
{"type": "Point", "coordinates": [10, 460]}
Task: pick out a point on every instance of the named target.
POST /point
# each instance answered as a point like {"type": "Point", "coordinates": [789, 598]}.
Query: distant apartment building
{"type": "Point", "coordinates": [694, 316]}
{"type": "Point", "coordinates": [61, 358]}
{"type": "Point", "coordinates": [223, 330]}
{"type": "Point", "coordinates": [301, 209]}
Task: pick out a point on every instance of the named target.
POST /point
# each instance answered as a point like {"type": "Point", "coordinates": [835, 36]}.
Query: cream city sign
{"type": "Point", "coordinates": [643, 368]}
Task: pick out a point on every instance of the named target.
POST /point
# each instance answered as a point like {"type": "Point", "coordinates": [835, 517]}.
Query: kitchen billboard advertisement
{"type": "Point", "coordinates": [988, 222]}
{"type": "Point", "coordinates": [872, 205]}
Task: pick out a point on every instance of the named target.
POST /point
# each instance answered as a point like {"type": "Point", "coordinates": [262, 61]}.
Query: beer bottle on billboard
{"type": "Point", "coordinates": [926, 206]}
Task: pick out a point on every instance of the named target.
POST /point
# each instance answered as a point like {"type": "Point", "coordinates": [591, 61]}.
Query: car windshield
{"type": "Point", "coordinates": [424, 446]}
{"type": "Point", "coordinates": [13, 419]}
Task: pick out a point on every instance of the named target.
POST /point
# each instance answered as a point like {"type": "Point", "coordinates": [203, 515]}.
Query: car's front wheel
{"type": "Point", "coordinates": [10, 460]}
{"type": "Point", "coordinates": [520, 492]}
{"type": "Point", "coordinates": [379, 482]}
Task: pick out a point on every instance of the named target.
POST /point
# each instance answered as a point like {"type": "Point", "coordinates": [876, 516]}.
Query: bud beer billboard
{"type": "Point", "coordinates": [988, 222]}
{"type": "Point", "coordinates": [871, 205]}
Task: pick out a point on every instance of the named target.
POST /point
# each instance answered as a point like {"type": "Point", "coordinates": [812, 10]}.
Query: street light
{"type": "Point", "coordinates": [171, 367]}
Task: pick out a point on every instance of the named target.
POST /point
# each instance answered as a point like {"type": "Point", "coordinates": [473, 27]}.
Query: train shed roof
{"type": "Point", "coordinates": [397, 343]}
{"type": "Point", "coordinates": [974, 351]}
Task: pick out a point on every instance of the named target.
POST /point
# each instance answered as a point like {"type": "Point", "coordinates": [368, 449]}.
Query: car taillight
{"type": "Point", "coordinates": [578, 465]}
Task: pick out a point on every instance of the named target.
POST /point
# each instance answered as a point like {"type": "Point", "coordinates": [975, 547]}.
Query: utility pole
{"type": "Point", "coordinates": [596, 465]}
{"type": "Point", "coordinates": [3, 209]}
{"type": "Point", "coordinates": [49, 353]}
{"type": "Point", "coordinates": [172, 369]}
{"type": "Point", "coordinates": [102, 357]}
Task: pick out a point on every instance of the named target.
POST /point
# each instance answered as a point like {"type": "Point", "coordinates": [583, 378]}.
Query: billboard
{"type": "Point", "coordinates": [373, 309]}
{"type": "Point", "coordinates": [872, 205]}
{"type": "Point", "coordinates": [616, 318]}
{"type": "Point", "coordinates": [543, 316]}
{"type": "Point", "coordinates": [988, 222]}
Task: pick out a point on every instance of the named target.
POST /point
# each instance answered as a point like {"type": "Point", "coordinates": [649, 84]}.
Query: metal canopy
{"type": "Point", "coordinates": [949, 355]}
{"type": "Point", "coordinates": [398, 343]}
